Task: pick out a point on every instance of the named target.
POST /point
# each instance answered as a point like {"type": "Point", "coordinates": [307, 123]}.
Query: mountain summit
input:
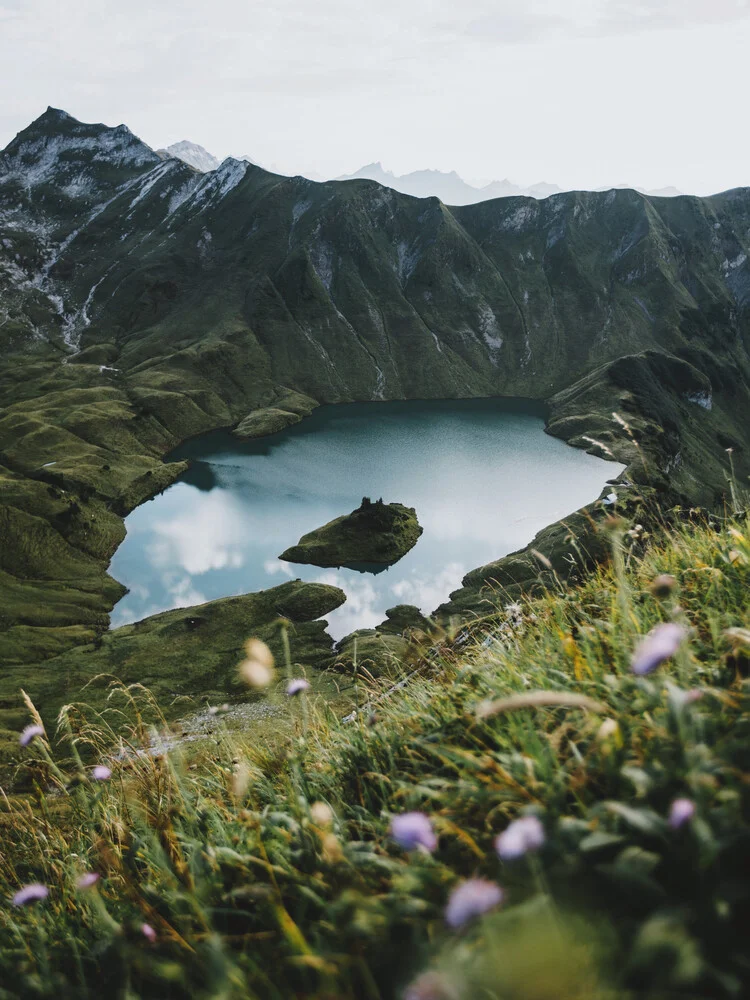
{"type": "Point", "coordinates": [192, 154]}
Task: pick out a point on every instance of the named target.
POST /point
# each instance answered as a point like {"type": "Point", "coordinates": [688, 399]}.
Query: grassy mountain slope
{"type": "Point", "coordinates": [143, 302]}
{"type": "Point", "coordinates": [272, 873]}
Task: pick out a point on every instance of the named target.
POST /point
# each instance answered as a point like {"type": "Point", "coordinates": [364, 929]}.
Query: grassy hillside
{"type": "Point", "coordinates": [243, 870]}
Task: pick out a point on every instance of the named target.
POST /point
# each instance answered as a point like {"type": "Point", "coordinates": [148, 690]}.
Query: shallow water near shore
{"type": "Point", "coordinates": [482, 475]}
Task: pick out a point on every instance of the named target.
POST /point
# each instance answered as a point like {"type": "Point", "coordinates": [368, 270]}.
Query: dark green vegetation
{"type": "Point", "coordinates": [142, 303]}
{"type": "Point", "coordinates": [273, 875]}
{"type": "Point", "coordinates": [373, 533]}
{"type": "Point", "coordinates": [289, 409]}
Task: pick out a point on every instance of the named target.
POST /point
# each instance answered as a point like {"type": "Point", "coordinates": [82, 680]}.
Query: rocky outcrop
{"type": "Point", "coordinates": [374, 533]}
{"type": "Point", "coordinates": [287, 410]}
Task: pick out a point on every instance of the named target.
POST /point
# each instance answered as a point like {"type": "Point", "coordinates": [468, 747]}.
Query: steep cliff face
{"type": "Point", "coordinates": [142, 302]}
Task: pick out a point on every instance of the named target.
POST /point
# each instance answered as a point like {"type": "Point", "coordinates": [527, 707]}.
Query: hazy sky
{"type": "Point", "coordinates": [582, 93]}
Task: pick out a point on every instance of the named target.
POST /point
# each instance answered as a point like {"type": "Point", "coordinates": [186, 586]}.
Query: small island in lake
{"type": "Point", "coordinates": [374, 533]}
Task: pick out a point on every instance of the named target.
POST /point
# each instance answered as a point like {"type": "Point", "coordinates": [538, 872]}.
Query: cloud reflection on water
{"type": "Point", "coordinates": [205, 537]}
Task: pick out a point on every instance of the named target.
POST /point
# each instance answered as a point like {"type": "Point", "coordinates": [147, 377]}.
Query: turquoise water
{"type": "Point", "coordinates": [482, 475]}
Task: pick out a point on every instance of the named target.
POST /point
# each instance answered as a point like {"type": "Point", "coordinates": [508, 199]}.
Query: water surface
{"type": "Point", "coordinates": [482, 475]}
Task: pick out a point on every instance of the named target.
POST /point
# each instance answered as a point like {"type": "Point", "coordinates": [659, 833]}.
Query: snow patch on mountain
{"type": "Point", "coordinates": [321, 258]}
{"type": "Point", "coordinates": [490, 330]}
{"type": "Point", "coordinates": [732, 265]}
{"type": "Point", "coordinates": [299, 209]}
{"type": "Point", "coordinates": [520, 218]}
{"type": "Point", "coordinates": [408, 256]}
{"type": "Point", "coordinates": [181, 195]}
{"type": "Point", "coordinates": [49, 158]}
{"type": "Point", "coordinates": [149, 181]}
{"type": "Point", "coordinates": [703, 399]}
{"type": "Point", "coordinates": [221, 181]}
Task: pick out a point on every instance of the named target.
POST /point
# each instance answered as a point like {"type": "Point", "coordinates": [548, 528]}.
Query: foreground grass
{"type": "Point", "coordinates": [251, 875]}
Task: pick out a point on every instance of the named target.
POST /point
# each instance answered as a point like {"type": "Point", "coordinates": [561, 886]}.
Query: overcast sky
{"type": "Point", "coordinates": [582, 93]}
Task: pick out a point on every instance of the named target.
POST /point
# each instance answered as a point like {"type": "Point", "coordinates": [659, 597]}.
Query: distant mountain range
{"type": "Point", "coordinates": [452, 189]}
{"type": "Point", "coordinates": [449, 187]}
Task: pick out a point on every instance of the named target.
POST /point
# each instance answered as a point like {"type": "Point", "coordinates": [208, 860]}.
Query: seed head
{"type": "Point", "coordinates": [609, 729]}
{"type": "Point", "coordinates": [255, 673]}
{"type": "Point", "coordinates": [240, 780]}
{"type": "Point", "coordinates": [257, 669]}
{"type": "Point", "coordinates": [101, 773]}
{"type": "Point", "coordinates": [321, 814]}
{"type": "Point", "coordinates": [258, 650]}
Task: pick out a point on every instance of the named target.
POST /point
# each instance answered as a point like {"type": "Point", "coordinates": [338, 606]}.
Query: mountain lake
{"type": "Point", "coordinates": [482, 475]}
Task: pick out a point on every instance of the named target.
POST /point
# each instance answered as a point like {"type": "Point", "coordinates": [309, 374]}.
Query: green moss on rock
{"type": "Point", "coordinates": [267, 421]}
{"type": "Point", "coordinates": [369, 651]}
{"type": "Point", "coordinates": [287, 409]}
{"type": "Point", "coordinates": [374, 533]}
{"type": "Point", "coordinates": [404, 618]}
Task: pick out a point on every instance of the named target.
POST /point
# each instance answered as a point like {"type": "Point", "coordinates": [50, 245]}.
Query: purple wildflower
{"type": "Point", "coordinates": [148, 932]}
{"type": "Point", "coordinates": [30, 733]}
{"type": "Point", "coordinates": [681, 812]}
{"type": "Point", "coordinates": [523, 835]}
{"type": "Point", "coordinates": [472, 899]}
{"type": "Point", "coordinates": [412, 831]}
{"type": "Point", "coordinates": [87, 880]}
{"type": "Point", "coordinates": [297, 686]}
{"type": "Point", "coordinates": [101, 773]}
{"type": "Point", "coordinates": [30, 894]}
{"type": "Point", "coordinates": [659, 645]}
